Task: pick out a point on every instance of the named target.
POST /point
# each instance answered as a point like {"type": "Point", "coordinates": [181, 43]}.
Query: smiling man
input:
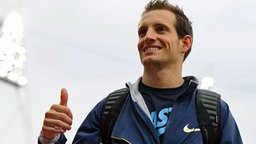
{"type": "Point", "coordinates": [160, 107]}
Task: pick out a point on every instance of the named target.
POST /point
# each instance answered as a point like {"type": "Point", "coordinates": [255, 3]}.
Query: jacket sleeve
{"type": "Point", "coordinates": [61, 140]}
{"type": "Point", "coordinates": [89, 131]}
{"type": "Point", "coordinates": [229, 129]}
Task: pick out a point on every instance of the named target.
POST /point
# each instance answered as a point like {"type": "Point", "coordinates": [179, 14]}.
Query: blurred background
{"type": "Point", "coordinates": [90, 48]}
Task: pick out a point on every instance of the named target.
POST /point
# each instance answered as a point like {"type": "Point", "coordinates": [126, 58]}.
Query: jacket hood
{"type": "Point", "coordinates": [137, 97]}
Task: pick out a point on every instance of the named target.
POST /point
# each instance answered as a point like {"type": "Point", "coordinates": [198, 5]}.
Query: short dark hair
{"type": "Point", "coordinates": [183, 25]}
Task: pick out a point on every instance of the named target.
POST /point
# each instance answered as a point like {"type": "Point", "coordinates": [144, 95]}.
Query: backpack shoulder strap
{"type": "Point", "coordinates": [111, 111]}
{"type": "Point", "coordinates": [208, 112]}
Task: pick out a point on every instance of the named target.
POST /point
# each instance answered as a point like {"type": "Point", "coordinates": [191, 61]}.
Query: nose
{"type": "Point", "coordinates": [150, 36]}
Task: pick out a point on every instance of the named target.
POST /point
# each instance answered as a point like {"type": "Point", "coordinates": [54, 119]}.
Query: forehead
{"type": "Point", "coordinates": [158, 16]}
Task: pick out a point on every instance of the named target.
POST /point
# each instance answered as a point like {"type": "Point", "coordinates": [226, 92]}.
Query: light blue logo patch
{"type": "Point", "coordinates": [160, 120]}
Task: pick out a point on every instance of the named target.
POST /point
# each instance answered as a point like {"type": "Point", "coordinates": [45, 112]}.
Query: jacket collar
{"type": "Point", "coordinates": [137, 97]}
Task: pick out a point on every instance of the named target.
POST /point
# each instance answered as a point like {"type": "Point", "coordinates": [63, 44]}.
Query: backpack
{"type": "Point", "coordinates": [208, 113]}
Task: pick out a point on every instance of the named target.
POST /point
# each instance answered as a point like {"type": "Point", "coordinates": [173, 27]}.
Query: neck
{"type": "Point", "coordinates": [163, 78]}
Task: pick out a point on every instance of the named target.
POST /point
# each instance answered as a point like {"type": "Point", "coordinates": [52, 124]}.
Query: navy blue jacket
{"type": "Point", "coordinates": [134, 124]}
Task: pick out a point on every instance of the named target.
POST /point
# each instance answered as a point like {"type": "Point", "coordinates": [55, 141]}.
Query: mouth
{"type": "Point", "coordinates": [149, 49]}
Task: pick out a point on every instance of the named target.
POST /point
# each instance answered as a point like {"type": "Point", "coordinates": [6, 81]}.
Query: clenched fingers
{"type": "Point", "coordinates": [61, 109]}
{"type": "Point", "coordinates": [58, 116]}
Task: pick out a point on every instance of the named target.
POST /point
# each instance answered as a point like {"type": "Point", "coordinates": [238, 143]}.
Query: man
{"type": "Point", "coordinates": [161, 103]}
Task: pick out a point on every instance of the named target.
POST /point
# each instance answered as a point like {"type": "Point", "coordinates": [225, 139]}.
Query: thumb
{"type": "Point", "coordinates": [64, 97]}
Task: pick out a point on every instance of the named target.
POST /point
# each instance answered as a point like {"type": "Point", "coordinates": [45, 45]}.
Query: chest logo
{"type": "Point", "coordinates": [189, 130]}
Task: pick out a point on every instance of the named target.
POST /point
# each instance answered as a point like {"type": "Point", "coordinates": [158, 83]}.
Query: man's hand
{"type": "Point", "coordinates": [58, 119]}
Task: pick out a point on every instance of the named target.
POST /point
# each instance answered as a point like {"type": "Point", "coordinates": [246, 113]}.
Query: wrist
{"type": "Point", "coordinates": [45, 140]}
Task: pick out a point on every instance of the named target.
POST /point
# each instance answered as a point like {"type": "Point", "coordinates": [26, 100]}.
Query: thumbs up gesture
{"type": "Point", "coordinates": [58, 119]}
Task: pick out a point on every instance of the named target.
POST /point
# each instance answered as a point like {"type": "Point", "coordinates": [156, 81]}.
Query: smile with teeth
{"type": "Point", "coordinates": [151, 49]}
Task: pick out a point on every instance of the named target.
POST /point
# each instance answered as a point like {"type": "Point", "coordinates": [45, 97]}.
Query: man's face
{"type": "Point", "coordinates": [158, 40]}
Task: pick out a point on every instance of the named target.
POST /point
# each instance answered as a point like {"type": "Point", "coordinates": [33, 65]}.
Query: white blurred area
{"type": "Point", "coordinates": [12, 52]}
{"type": "Point", "coordinates": [89, 47]}
{"type": "Point", "coordinates": [207, 83]}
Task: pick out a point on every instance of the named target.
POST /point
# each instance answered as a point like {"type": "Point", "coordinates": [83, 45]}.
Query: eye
{"type": "Point", "coordinates": [142, 32]}
{"type": "Point", "coordinates": [160, 29]}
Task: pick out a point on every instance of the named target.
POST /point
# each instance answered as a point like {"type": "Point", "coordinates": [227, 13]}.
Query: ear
{"type": "Point", "coordinates": [186, 43]}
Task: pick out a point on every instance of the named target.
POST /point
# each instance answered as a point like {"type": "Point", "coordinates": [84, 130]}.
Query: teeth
{"type": "Point", "coordinates": [151, 49]}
